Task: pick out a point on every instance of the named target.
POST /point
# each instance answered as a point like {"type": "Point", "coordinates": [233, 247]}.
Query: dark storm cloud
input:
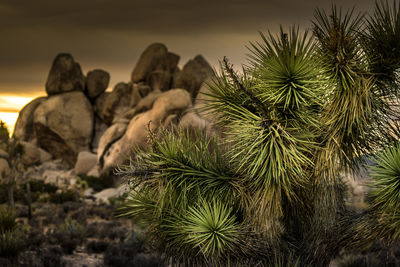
{"type": "Point", "coordinates": [111, 34]}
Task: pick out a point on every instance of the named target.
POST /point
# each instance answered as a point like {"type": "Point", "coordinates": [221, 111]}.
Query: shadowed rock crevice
{"type": "Point", "coordinates": [54, 144]}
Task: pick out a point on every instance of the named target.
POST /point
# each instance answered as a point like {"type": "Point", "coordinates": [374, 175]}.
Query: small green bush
{"type": "Point", "coordinates": [11, 244]}
{"type": "Point", "coordinates": [64, 196]}
{"type": "Point", "coordinates": [40, 186]}
{"type": "Point", "coordinates": [98, 183]}
{"type": "Point", "coordinates": [7, 221]}
{"type": "Point", "coordinates": [11, 241]}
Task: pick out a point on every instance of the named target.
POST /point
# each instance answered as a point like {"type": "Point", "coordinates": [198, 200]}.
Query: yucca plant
{"type": "Point", "coordinates": [268, 190]}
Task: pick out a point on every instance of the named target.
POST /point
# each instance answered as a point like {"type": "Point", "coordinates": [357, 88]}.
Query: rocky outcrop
{"type": "Point", "coordinates": [64, 124]}
{"type": "Point", "coordinates": [193, 74]}
{"type": "Point", "coordinates": [65, 76]}
{"type": "Point", "coordinates": [23, 129]}
{"type": "Point", "coordinates": [96, 83]}
{"type": "Point", "coordinates": [81, 123]}
{"type": "Point", "coordinates": [156, 67]}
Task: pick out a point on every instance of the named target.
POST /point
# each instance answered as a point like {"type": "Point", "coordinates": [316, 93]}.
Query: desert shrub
{"type": "Point", "coordinates": [64, 196]}
{"type": "Point", "coordinates": [98, 183]}
{"type": "Point", "coordinates": [69, 235]}
{"type": "Point", "coordinates": [11, 244]}
{"type": "Point", "coordinates": [42, 187]}
{"type": "Point", "coordinates": [11, 238]}
{"type": "Point", "coordinates": [7, 220]}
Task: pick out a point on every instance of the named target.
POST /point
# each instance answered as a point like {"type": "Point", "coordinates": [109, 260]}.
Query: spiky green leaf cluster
{"type": "Point", "coordinates": [286, 71]}
{"type": "Point", "coordinates": [209, 228]}
{"type": "Point", "coordinates": [381, 40]}
{"type": "Point", "coordinates": [386, 176]}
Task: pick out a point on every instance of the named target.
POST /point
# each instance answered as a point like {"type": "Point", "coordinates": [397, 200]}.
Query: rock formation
{"type": "Point", "coordinates": [65, 76]}
{"type": "Point", "coordinates": [94, 129]}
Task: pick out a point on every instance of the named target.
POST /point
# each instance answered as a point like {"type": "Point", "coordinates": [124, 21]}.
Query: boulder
{"type": "Point", "coordinates": [194, 122]}
{"type": "Point", "coordinates": [156, 67]}
{"type": "Point", "coordinates": [146, 103]}
{"type": "Point", "coordinates": [23, 129]}
{"type": "Point", "coordinates": [64, 125]}
{"type": "Point", "coordinates": [36, 172]}
{"type": "Point", "coordinates": [95, 171]}
{"type": "Point", "coordinates": [138, 92]}
{"type": "Point", "coordinates": [201, 103]}
{"type": "Point", "coordinates": [171, 102]}
{"type": "Point", "coordinates": [193, 74]}
{"type": "Point", "coordinates": [117, 102]}
{"type": "Point", "coordinates": [61, 179]}
{"type": "Point", "coordinates": [65, 75]}
{"type": "Point", "coordinates": [110, 136]}
{"type": "Point", "coordinates": [4, 170]}
{"type": "Point", "coordinates": [99, 128]}
{"type": "Point", "coordinates": [45, 156]}
{"type": "Point", "coordinates": [31, 155]}
{"type": "Point", "coordinates": [96, 83]}
{"type": "Point", "coordinates": [85, 162]}
{"type": "Point", "coordinates": [104, 195]}
{"type": "Point", "coordinates": [3, 154]}
{"type": "Point", "coordinates": [134, 137]}
{"type": "Point", "coordinates": [99, 104]}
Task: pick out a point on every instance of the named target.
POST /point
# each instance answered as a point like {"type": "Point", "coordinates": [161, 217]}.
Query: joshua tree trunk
{"type": "Point", "coordinates": [11, 182]}
{"type": "Point", "coordinates": [29, 200]}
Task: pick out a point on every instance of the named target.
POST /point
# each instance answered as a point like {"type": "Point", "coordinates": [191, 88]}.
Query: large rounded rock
{"type": "Point", "coordinates": [85, 162]}
{"type": "Point", "coordinates": [96, 82]}
{"type": "Point", "coordinates": [64, 125]}
{"type": "Point", "coordinates": [139, 91]}
{"type": "Point", "coordinates": [65, 75]}
{"type": "Point", "coordinates": [156, 67]}
{"type": "Point", "coordinates": [147, 102]}
{"type": "Point", "coordinates": [33, 155]}
{"type": "Point", "coordinates": [99, 104]}
{"type": "Point", "coordinates": [134, 137]}
{"type": "Point", "coordinates": [24, 126]}
{"type": "Point", "coordinates": [110, 136]}
{"type": "Point", "coordinates": [193, 74]}
{"type": "Point", "coordinates": [169, 103]}
{"type": "Point", "coordinates": [193, 122]}
{"type": "Point", "coordinates": [99, 128]}
{"type": "Point", "coordinates": [115, 103]}
{"type": "Point", "coordinates": [3, 154]}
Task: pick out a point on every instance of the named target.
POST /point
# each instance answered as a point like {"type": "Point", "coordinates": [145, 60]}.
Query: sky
{"type": "Point", "coordinates": [111, 34]}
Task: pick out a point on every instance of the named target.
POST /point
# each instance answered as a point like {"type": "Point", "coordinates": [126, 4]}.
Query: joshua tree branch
{"type": "Point", "coordinates": [259, 105]}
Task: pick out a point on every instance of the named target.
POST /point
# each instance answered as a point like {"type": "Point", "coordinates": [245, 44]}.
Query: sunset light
{"type": "Point", "coordinates": [10, 105]}
{"type": "Point", "coordinates": [9, 118]}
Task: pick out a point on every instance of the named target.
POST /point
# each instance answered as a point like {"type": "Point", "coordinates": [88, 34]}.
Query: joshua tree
{"type": "Point", "coordinates": [269, 190]}
{"type": "Point", "coordinates": [14, 150]}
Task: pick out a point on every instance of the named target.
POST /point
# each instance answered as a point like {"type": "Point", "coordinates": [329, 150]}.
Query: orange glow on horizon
{"type": "Point", "coordinates": [10, 105]}
{"type": "Point", "coordinates": [9, 118]}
